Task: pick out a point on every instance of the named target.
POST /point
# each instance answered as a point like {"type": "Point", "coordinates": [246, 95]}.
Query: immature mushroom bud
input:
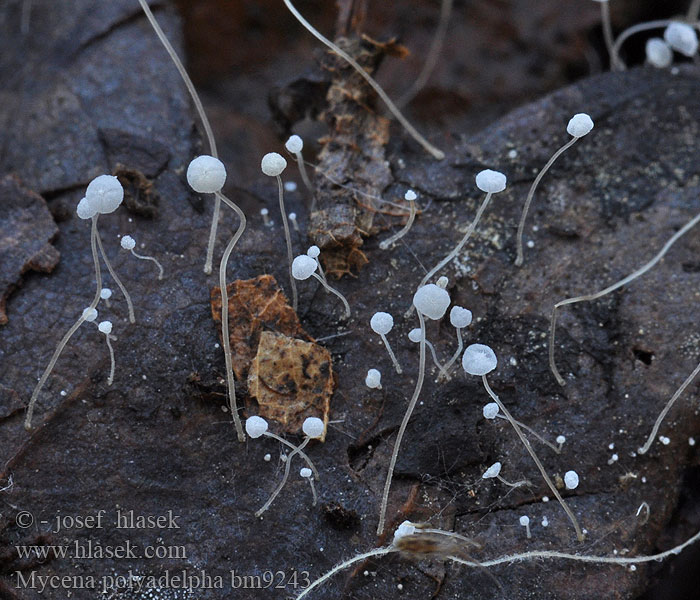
{"type": "Point", "coordinates": [373, 380]}
{"type": "Point", "coordinates": [295, 145]}
{"type": "Point", "coordinates": [255, 426]}
{"type": "Point", "coordinates": [525, 522]}
{"type": "Point", "coordinates": [89, 314]}
{"type": "Point", "coordinates": [128, 243]}
{"type": "Point", "coordinates": [410, 196]}
{"type": "Point", "coordinates": [579, 125]}
{"type": "Point", "coordinates": [682, 38]}
{"type": "Point", "coordinates": [571, 480]}
{"type": "Point", "coordinates": [206, 175]}
{"type": "Point", "coordinates": [272, 165]}
{"type": "Point", "coordinates": [293, 219]}
{"type": "Point", "coordinates": [314, 252]}
{"type": "Point", "coordinates": [106, 328]}
{"type": "Point", "coordinates": [313, 427]}
{"type": "Point", "coordinates": [105, 294]}
{"type": "Point", "coordinates": [459, 319]}
{"type": "Point", "coordinates": [480, 360]}
{"type": "Point", "coordinates": [86, 209]}
{"type": "Point", "coordinates": [306, 473]}
{"type": "Point", "coordinates": [303, 267]}
{"type": "Point", "coordinates": [415, 336]}
{"type": "Point", "coordinates": [658, 53]}
{"type": "Point", "coordinates": [382, 323]}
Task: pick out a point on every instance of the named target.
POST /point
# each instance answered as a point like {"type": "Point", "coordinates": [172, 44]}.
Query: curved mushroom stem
{"type": "Point", "coordinates": [296, 449]}
{"type": "Point", "coordinates": [151, 258]}
{"type": "Point", "coordinates": [303, 173]}
{"type": "Point", "coordinates": [332, 290]}
{"type": "Point", "coordinates": [110, 378]}
{"type": "Point", "coordinates": [444, 374]}
{"type": "Point", "coordinates": [554, 447]}
{"type": "Point", "coordinates": [288, 239]}
{"type": "Point", "coordinates": [69, 334]}
{"type": "Point", "coordinates": [120, 285]}
{"type": "Point", "coordinates": [287, 467]}
{"type": "Point", "coordinates": [517, 484]}
{"type": "Point", "coordinates": [531, 452]}
{"type": "Point", "coordinates": [224, 315]}
{"type": "Point", "coordinates": [406, 228]}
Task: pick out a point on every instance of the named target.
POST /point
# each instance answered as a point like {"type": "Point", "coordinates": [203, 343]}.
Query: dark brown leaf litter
{"type": "Point", "coordinates": [26, 232]}
{"type": "Point", "coordinates": [289, 375]}
{"type": "Point", "coordinates": [150, 444]}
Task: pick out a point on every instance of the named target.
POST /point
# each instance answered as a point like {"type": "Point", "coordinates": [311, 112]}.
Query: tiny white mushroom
{"type": "Point", "coordinates": [382, 323]}
{"type": "Point", "coordinates": [658, 53]}
{"type": "Point", "coordinates": [206, 174]}
{"type": "Point", "coordinates": [571, 480]}
{"type": "Point", "coordinates": [89, 314]}
{"type": "Point", "coordinates": [128, 243]}
{"type": "Point", "coordinates": [106, 328]}
{"type": "Point", "coordinates": [255, 426]}
{"type": "Point", "coordinates": [410, 196]}
{"type": "Point", "coordinates": [295, 145]}
{"type": "Point", "coordinates": [105, 194]}
{"type": "Point", "coordinates": [493, 471]}
{"type": "Point", "coordinates": [525, 522]}
{"type": "Point", "coordinates": [303, 267]}
{"type": "Point", "coordinates": [313, 427]}
{"type": "Point", "coordinates": [682, 38]}
{"type": "Point", "coordinates": [373, 380]}
{"type": "Point", "coordinates": [490, 410]}
{"type": "Point", "coordinates": [459, 319]}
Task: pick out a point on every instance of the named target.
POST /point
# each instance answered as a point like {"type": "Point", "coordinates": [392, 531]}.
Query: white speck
{"type": "Point", "coordinates": [283, 458]}
{"type": "Point", "coordinates": [561, 439]}
{"type": "Point", "coordinates": [611, 446]}
{"type": "Point", "coordinates": [530, 244]}
{"type": "Point", "coordinates": [144, 377]}
{"type": "Point", "coordinates": [535, 228]}
{"type": "Point", "coordinates": [545, 498]}
{"type": "Point", "coordinates": [691, 441]}
{"type": "Point", "coordinates": [217, 346]}
{"type": "Point", "coordinates": [644, 479]}
{"type": "Point", "coordinates": [512, 154]}
{"type": "Point", "coordinates": [513, 361]}
{"type": "Point", "coordinates": [545, 522]}
{"type": "Point", "coordinates": [664, 440]}
{"type": "Point", "coordinates": [366, 573]}
{"type": "Point", "coordinates": [633, 567]}
{"type": "Point", "coordinates": [675, 71]}
{"type": "Point", "coordinates": [63, 393]}
{"type": "Point", "coordinates": [399, 587]}
{"type": "Point", "coordinates": [267, 458]}
{"type": "Point", "coordinates": [290, 186]}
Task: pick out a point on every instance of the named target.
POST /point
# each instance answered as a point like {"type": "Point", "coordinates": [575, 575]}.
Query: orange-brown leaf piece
{"type": "Point", "coordinates": [292, 380]}
{"type": "Point", "coordinates": [254, 305]}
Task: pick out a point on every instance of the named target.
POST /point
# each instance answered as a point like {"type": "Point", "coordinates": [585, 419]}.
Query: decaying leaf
{"type": "Point", "coordinates": [292, 379]}
{"type": "Point", "coordinates": [255, 305]}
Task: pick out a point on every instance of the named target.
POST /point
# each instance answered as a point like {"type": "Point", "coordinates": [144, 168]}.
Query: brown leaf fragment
{"type": "Point", "coordinates": [291, 380]}
{"type": "Point", "coordinates": [26, 230]}
{"type": "Point", "coordinates": [255, 305]}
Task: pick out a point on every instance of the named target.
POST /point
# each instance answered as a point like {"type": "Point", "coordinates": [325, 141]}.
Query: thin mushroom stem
{"type": "Point", "coordinates": [151, 258]}
{"type": "Point", "coordinates": [231, 383]}
{"type": "Point", "coordinates": [202, 116]}
{"type": "Point", "coordinates": [288, 239]}
{"type": "Point", "coordinates": [303, 455]}
{"type": "Point", "coordinates": [313, 491]}
{"type": "Point", "coordinates": [110, 378]}
{"type": "Point", "coordinates": [406, 228]}
{"type": "Point", "coordinates": [413, 132]}
{"type": "Point", "coordinates": [332, 290]}
{"type": "Point", "coordinates": [556, 449]}
{"type": "Point", "coordinates": [531, 193]}
{"type": "Point", "coordinates": [304, 175]}
{"type": "Point", "coordinates": [404, 425]}
{"type": "Point", "coordinates": [644, 449]}
{"type": "Point", "coordinates": [444, 374]}
{"type": "Point", "coordinates": [397, 366]}
{"type": "Point", "coordinates": [120, 285]}
{"type": "Point", "coordinates": [69, 334]}
{"type": "Point", "coordinates": [528, 447]}
{"type": "Point", "coordinates": [517, 484]}
{"type": "Point", "coordinates": [631, 277]}
{"type": "Point", "coordinates": [287, 467]}
{"type": "Point", "coordinates": [434, 354]}
{"type": "Point", "coordinates": [607, 29]}
{"type": "Point", "coordinates": [433, 55]}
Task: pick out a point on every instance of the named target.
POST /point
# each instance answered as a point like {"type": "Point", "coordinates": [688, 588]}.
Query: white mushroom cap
{"type": "Point", "coordinates": [414, 335]}
{"type": "Point", "coordinates": [86, 209]}
{"type": "Point", "coordinates": [659, 53]}
{"type": "Point", "coordinates": [493, 471]}
{"type": "Point", "coordinates": [273, 164]}
{"type": "Point", "coordinates": [105, 194]}
{"type": "Point", "coordinates": [571, 480]}
{"type": "Point", "coordinates": [373, 379]}
{"type": "Point", "coordinates": [490, 181]}
{"type": "Point", "coordinates": [460, 317]}
{"type": "Point", "coordinates": [682, 38]}
{"type": "Point", "coordinates": [431, 301]}
{"type": "Point", "coordinates": [524, 520]}
{"type": "Point", "coordinates": [313, 251]}
{"type": "Point", "coordinates": [561, 439]}
{"type": "Point", "coordinates": [206, 174]}
{"type": "Point", "coordinates": [410, 195]}
{"type": "Point", "coordinates": [127, 242]}
{"type": "Point", "coordinates": [579, 125]}
{"type": "Point", "coordinates": [105, 327]}
{"type": "Point", "coordinates": [255, 426]}
{"type": "Point", "coordinates": [105, 293]}
{"type": "Point", "coordinates": [490, 410]}
{"type": "Point", "coordinates": [313, 427]}
{"type": "Point", "coordinates": [303, 267]}
{"type": "Point", "coordinates": [305, 472]}
{"type": "Point", "coordinates": [294, 144]}
{"type": "Point", "coordinates": [406, 528]}
{"type": "Point", "coordinates": [292, 215]}
{"type": "Point", "coordinates": [381, 323]}
{"type": "Point", "coordinates": [89, 314]}
{"type": "Point", "coordinates": [479, 360]}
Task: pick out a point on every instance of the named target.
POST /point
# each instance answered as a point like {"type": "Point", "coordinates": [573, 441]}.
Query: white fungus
{"type": "Point", "coordinates": [410, 195]}
{"type": "Point", "coordinates": [479, 360]}
{"type": "Point", "coordinates": [105, 327]}
{"type": "Point", "coordinates": [571, 480]}
{"type": "Point", "coordinates": [682, 38]}
{"type": "Point", "coordinates": [664, 440]}
{"type": "Point", "coordinates": [431, 301]}
{"type": "Point", "coordinates": [381, 323]}
{"type": "Point", "coordinates": [105, 293]}
{"type": "Point", "coordinates": [273, 164]}
{"type": "Point", "coordinates": [290, 186]}
{"type": "Point", "coordinates": [460, 317]}
{"type": "Point", "coordinates": [313, 252]}
{"type": "Point", "coordinates": [89, 314]}
{"type": "Point", "coordinates": [86, 209]}
{"type": "Point", "coordinates": [127, 242]}
{"type": "Point", "coordinates": [313, 427]}
{"type": "Point", "coordinates": [490, 181]}
{"type": "Point", "coordinates": [294, 144]}
{"type": "Point", "coordinates": [105, 194]}
{"type": "Point", "coordinates": [303, 267]}
{"type": "Point", "coordinates": [579, 125]}
{"type": "Point", "coordinates": [561, 439]}
{"type": "Point", "coordinates": [373, 379]}
{"type": "Point", "coordinates": [493, 471]}
{"type": "Point", "coordinates": [659, 53]}
{"type": "Point", "coordinates": [490, 410]}
{"type": "Point", "coordinates": [206, 174]}
{"type": "Point", "coordinates": [414, 335]}
{"type": "Point", "coordinates": [305, 472]}
{"type": "Point", "coordinates": [255, 426]}
{"type": "Point", "coordinates": [525, 522]}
